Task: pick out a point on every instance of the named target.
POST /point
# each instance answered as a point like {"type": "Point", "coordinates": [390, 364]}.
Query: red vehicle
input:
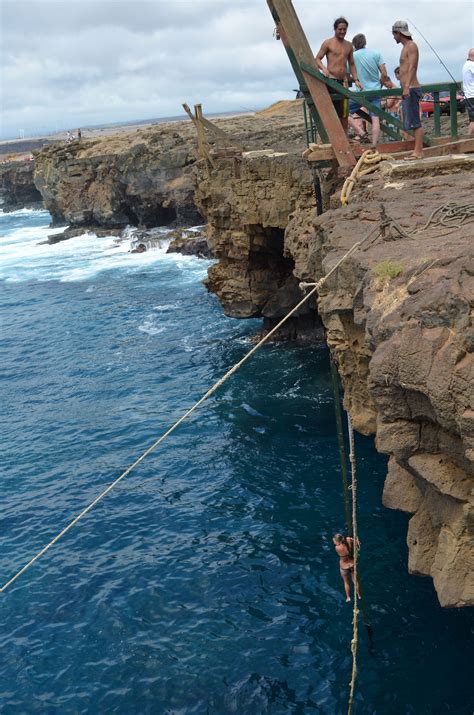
{"type": "Point", "coordinates": [427, 103]}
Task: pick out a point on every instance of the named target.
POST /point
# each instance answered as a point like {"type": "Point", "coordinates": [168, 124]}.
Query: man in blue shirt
{"type": "Point", "coordinates": [372, 74]}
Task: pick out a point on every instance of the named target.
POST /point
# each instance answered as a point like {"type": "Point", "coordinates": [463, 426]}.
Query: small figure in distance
{"type": "Point", "coordinates": [338, 53]}
{"type": "Point", "coordinates": [411, 90]}
{"type": "Point", "coordinates": [79, 135]}
{"type": "Point", "coordinates": [344, 546]}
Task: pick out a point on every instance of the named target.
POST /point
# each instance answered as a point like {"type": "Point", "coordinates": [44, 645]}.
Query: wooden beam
{"type": "Point", "coordinates": [202, 143]}
{"type": "Point", "coordinates": [299, 75]}
{"type": "Point", "coordinates": [461, 146]}
{"type": "Point", "coordinates": [291, 31]}
{"type": "Point", "coordinates": [325, 152]}
{"type": "Point", "coordinates": [217, 131]}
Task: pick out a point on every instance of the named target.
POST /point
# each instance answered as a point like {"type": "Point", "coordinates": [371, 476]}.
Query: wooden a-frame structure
{"type": "Point", "coordinates": [299, 53]}
{"type": "Point", "coordinates": [315, 87]}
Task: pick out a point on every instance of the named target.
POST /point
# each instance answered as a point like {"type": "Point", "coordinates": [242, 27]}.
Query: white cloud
{"type": "Point", "coordinates": [67, 63]}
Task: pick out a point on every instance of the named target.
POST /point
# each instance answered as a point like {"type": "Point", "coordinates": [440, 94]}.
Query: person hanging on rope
{"type": "Point", "coordinates": [344, 546]}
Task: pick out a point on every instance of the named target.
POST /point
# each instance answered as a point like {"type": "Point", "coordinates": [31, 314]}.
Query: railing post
{"type": "Point", "coordinates": [437, 114]}
{"type": "Point", "coordinates": [453, 110]}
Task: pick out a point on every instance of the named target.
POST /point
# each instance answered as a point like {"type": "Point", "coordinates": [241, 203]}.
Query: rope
{"type": "Point", "coordinates": [179, 421]}
{"type": "Point", "coordinates": [368, 162]}
{"type": "Point", "coordinates": [342, 449]}
{"type": "Point", "coordinates": [450, 215]}
{"type": "Point", "coordinates": [355, 614]}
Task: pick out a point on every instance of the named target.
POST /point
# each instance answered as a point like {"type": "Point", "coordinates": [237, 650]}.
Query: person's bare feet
{"type": "Point", "coordinates": [348, 600]}
{"type": "Point", "coordinates": [413, 157]}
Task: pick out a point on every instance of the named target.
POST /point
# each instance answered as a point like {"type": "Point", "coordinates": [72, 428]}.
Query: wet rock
{"type": "Point", "coordinates": [191, 243]}
{"type": "Point", "coordinates": [17, 187]}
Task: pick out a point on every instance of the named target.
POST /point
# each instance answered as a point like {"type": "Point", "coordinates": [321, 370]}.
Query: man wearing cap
{"type": "Point", "coordinates": [468, 85]}
{"type": "Point", "coordinates": [411, 91]}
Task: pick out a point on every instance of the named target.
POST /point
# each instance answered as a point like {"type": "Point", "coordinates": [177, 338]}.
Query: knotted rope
{"type": "Point", "coordinates": [355, 614]}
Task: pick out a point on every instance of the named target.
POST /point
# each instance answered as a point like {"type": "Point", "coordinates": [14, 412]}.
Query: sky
{"type": "Point", "coordinates": [75, 63]}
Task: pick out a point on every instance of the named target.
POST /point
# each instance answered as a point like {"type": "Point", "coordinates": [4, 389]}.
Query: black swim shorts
{"type": "Point", "coordinates": [341, 104]}
{"type": "Point", "coordinates": [470, 108]}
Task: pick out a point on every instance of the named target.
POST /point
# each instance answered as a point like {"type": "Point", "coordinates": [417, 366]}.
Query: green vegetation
{"type": "Point", "coordinates": [386, 270]}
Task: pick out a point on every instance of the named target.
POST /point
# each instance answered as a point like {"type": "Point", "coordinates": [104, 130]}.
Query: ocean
{"type": "Point", "coordinates": [206, 582]}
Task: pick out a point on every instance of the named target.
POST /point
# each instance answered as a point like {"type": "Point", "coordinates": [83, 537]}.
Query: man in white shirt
{"type": "Point", "coordinates": [468, 85]}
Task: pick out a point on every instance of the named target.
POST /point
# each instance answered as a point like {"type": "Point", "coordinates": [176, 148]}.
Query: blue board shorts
{"type": "Point", "coordinates": [355, 106]}
{"type": "Point", "coordinates": [411, 110]}
{"type": "Point", "coordinates": [377, 102]}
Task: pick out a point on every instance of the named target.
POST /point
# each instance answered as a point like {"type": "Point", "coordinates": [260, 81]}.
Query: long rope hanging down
{"type": "Point", "coordinates": [180, 420]}
{"type": "Point", "coordinates": [340, 441]}
{"type": "Point", "coordinates": [355, 614]}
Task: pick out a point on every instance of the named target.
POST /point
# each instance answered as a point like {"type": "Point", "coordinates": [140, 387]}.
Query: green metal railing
{"type": "Point", "coordinates": [389, 124]}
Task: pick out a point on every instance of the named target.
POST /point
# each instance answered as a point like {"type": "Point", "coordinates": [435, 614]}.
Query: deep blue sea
{"type": "Point", "coordinates": [206, 582]}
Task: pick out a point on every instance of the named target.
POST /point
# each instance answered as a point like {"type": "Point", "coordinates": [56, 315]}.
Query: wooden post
{"type": "Point", "coordinates": [297, 45]}
{"type": "Point", "coordinates": [453, 111]}
{"type": "Point", "coordinates": [202, 143]}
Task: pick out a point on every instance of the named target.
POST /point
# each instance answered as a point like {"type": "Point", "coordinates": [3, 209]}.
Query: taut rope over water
{"type": "Point", "coordinates": [179, 421]}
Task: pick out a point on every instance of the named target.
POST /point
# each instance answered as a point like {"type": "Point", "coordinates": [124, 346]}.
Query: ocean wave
{"type": "Point", "coordinates": [27, 255]}
{"type": "Point", "coordinates": [24, 212]}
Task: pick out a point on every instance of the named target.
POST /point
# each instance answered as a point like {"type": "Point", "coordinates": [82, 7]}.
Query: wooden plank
{"type": "Point", "coordinates": [292, 32]}
{"type": "Point", "coordinates": [325, 152]}
{"type": "Point", "coordinates": [217, 131]}
{"type": "Point", "coordinates": [461, 146]}
{"type": "Point", "coordinates": [220, 133]}
{"type": "Point", "coordinates": [202, 143]}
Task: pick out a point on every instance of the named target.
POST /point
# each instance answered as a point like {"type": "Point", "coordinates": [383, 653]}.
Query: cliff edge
{"type": "Point", "coordinates": [398, 317]}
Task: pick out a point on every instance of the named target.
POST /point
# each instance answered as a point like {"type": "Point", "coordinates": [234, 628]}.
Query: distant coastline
{"type": "Point", "coordinates": [26, 144]}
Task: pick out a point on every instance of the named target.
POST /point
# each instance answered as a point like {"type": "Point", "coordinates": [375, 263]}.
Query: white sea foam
{"type": "Point", "coordinates": [151, 327]}
{"type": "Point", "coordinates": [24, 212]}
{"type": "Point", "coordinates": [166, 307]}
{"type": "Point", "coordinates": [26, 255]}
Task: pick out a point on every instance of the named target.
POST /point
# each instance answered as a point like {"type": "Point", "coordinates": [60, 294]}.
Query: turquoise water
{"type": "Point", "coordinates": [206, 582]}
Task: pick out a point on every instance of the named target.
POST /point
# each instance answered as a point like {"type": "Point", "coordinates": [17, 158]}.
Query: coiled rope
{"type": "Point", "coordinates": [368, 162]}
{"type": "Point", "coordinates": [179, 421]}
{"type": "Point", "coordinates": [450, 215]}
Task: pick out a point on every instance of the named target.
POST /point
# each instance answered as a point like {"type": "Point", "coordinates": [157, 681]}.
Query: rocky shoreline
{"type": "Point", "coordinates": [397, 316]}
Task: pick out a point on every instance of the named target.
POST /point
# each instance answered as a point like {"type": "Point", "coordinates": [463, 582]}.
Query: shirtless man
{"type": "Point", "coordinates": [344, 546]}
{"type": "Point", "coordinates": [338, 52]}
{"type": "Point", "coordinates": [411, 92]}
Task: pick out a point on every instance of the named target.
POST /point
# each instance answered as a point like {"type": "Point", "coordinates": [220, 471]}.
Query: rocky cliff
{"type": "Point", "coordinates": [17, 187]}
{"type": "Point", "coordinates": [397, 317]}
{"type": "Point", "coordinates": [141, 177]}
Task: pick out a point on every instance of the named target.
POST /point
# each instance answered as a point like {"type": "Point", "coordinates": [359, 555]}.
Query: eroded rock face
{"type": "Point", "coordinates": [399, 321]}
{"type": "Point", "coordinates": [404, 348]}
{"type": "Point", "coordinates": [247, 202]}
{"type": "Point", "coordinates": [17, 187]}
{"type": "Point", "coordinates": [141, 179]}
